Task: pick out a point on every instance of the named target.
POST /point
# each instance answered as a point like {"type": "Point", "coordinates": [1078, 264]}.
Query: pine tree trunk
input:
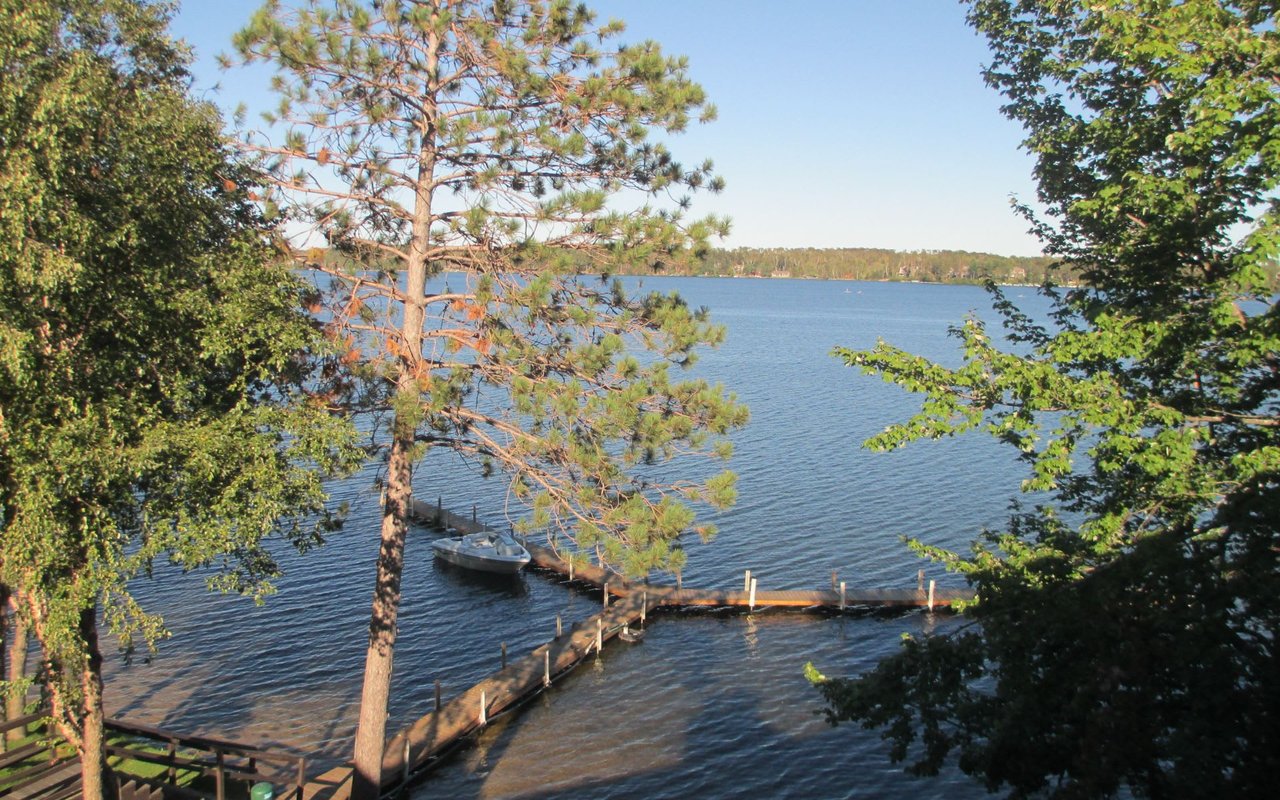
{"type": "Point", "coordinates": [17, 644]}
{"type": "Point", "coordinates": [92, 752]}
{"type": "Point", "coordinates": [374, 699]}
{"type": "Point", "coordinates": [375, 696]}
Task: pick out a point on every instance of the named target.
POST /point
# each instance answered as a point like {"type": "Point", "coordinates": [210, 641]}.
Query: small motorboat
{"type": "Point", "coordinates": [487, 551]}
{"type": "Point", "coordinates": [630, 634]}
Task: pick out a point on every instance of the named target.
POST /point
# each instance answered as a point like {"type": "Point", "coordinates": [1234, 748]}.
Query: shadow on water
{"type": "Point", "coordinates": [460, 578]}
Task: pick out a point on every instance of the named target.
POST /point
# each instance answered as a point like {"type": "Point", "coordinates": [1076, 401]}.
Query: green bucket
{"type": "Point", "coordinates": [262, 791]}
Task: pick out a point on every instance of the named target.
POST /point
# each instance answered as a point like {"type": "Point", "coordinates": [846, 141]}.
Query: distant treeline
{"type": "Point", "coordinates": [870, 264]}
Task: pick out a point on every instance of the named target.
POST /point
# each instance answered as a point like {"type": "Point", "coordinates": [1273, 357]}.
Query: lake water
{"type": "Point", "coordinates": [712, 705]}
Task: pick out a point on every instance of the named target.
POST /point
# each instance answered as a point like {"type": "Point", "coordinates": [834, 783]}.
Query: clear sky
{"type": "Point", "coordinates": [842, 123]}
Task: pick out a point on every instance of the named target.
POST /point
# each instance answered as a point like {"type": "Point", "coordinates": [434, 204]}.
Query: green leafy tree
{"type": "Point", "coordinates": [493, 141]}
{"type": "Point", "coordinates": [147, 347]}
{"type": "Point", "coordinates": [1124, 635]}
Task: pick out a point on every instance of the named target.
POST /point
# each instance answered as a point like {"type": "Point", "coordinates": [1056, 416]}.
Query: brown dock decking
{"type": "Point", "coordinates": [441, 730]}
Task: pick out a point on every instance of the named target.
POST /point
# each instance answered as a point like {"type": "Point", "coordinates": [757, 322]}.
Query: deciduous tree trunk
{"type": "Point", "coordinates": [92, 754]}
{"type": "Point", "coordinates": [15, 655]}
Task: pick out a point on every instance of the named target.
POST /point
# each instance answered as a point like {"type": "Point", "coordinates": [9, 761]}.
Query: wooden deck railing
{"type": "Point", "coordinates": [224, 761]}
{"type": "Point", "coordinates": [43, 765]}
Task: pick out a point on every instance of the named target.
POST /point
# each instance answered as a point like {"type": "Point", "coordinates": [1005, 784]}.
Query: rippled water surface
{"type": "Point", "coordinates": [708, 705]}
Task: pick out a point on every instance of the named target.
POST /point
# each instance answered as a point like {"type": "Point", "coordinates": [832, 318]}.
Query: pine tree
{"type": "Point", "coordinates": [494, 143]}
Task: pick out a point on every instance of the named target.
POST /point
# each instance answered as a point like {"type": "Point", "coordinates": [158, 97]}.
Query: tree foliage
{"type": "Point", "coordinates": [482, 167]}
{"type": "Point", "coordinates": [1124, 633]}
{"type": "Point", "coordinates": [147, 345]}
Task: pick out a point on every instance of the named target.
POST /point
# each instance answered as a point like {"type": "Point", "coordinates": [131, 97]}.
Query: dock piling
{"type": "Point", "coordinates": [546, 667]}
{"type": "Point", "coordinates": [746, 581]}
{"type": "Point", "coordinates": [484, 719]}
{"type": "Point", "coordinates": [841, 595]}
{"type": "Point", "coordinates": [751, 601]}
{"type": "Point", "coordinates": [404, 774]}
{"type": "Point", "coordinates": [931, 585]}
{"type": "Point", "coordinates": [644, 605]}
{"type": "Point", "coordinates": [599, 635]}
{"type": "Point", "coordinates": [606, 594]}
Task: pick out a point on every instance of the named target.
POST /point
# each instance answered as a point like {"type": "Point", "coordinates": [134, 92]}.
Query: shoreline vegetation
{"type": "Point", "coordinates": [953, 267]}
{"type": "Point", "coordinates": [867, 264]}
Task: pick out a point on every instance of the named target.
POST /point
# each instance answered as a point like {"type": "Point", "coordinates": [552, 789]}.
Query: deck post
{"type": "Point", "coordinates": [644, 605]}
{"type": "Point", "coordinates": [606, 594]}
{"type": "Point", "coordinates": [746, 581]}
{"type": "Point", "coordinates": [842, 595]}
{"type": "Point", "coordinates": [599, 635]}
{"type": "Point", "coordinates": [546, 667]}
{"type": "Point", "coordinates": [172, 752]}
{"type": "Point", "coordinates": [931, 584]}
{"type": "Point", "coordinates": [220, 776]}
{"type": "Point", "coordinates": [571, 568]}
{"type": "Point", "coordinates": [484, 715]}
{"type": "Point", "coordinates": [751, 600]}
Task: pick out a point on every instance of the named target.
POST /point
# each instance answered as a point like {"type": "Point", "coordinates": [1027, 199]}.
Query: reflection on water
{"type": "Point", "coordinates": [708, 704]}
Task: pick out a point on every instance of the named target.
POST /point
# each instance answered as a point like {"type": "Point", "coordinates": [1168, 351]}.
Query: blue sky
{"type": "Point", "coordinates": [854, 123]}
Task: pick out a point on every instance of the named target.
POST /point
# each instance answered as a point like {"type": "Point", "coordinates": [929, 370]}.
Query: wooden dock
{"type": "Point", "coordinates": [663, 595]}
{"type": "Point", "coordinates": [627, 603]}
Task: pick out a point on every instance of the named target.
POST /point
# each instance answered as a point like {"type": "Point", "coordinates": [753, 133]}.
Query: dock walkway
{"type": "Point", "coordinates": [627, 603]}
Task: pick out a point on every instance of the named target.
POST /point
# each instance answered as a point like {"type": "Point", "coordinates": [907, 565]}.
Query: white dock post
{"type": "Point", "coordinates": [931, 584]}
{"type": "Point", "coordinates": [546, 667]}
{"type": "Point", "coordinates": [842, 595]}
{"type": "Point", "coordinates": [484, 712]}
{"type": "Point", "coordinates": [752, 598]}
{"type": "Point", "coordinates": [599, 635]}
{"type": "Point", "coordinates": [746, 581]}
